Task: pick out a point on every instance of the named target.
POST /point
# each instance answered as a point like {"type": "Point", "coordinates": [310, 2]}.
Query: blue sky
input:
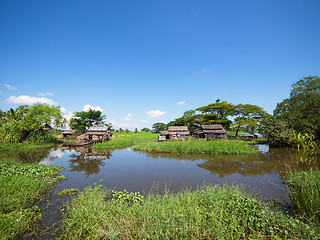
{"type": "Point", "coordinates": [136, 60]}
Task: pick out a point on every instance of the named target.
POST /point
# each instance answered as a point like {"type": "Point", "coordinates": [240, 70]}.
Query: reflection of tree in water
{"type": "Point", "coordinates": [277, 161]}
{"type": "Point", "coordinates": [28, 155]}
{"type": "Point", "coordinates": [88, 161]}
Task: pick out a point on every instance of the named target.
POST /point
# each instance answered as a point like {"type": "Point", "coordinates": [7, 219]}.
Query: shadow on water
{"type": "Point", "coordinates": [124, 168]}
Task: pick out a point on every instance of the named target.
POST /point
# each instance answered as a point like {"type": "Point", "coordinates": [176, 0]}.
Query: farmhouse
{"type": "Point", "coordinates": [215, 131]}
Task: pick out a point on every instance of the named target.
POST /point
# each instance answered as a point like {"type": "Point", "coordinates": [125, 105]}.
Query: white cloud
{"type": "Point", "coordinates": [88, 107]}
{"type": "Point", "coordinates": [128, 117]}
{"type": "Point", "coordinates": [63, 110]}
{"type": "Point", "coordinates": [181, 102]}
{"type": "Point", "coordinates": [144, 121]}
{"type": "Point", "coordinates": [10, 87]}
{"type": "Point", "coordinates": [44, 94]}
{"type": "Point", "coordinates": [24, 99]}
{"type": "Point", "coordinates": [155, 113]}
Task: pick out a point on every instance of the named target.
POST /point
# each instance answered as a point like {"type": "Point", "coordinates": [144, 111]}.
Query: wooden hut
{"type": "Point", "coordinates": [215, 131]}
{"type": "Point", "coordinates": [67, 134]}
{"type": "Point", "coordinates": [96, 133]}
{"type": "Point", "coordinates": [177, 132]}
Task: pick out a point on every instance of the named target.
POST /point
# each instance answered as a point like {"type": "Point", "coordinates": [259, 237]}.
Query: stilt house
{"type": "Point", "coordinates": [177, 132]}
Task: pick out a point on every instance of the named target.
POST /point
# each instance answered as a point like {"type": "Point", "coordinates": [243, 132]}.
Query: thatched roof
{"type": "Point", "coordinates": [182, 130]}
{"type": "Point", "coordinates": [69, 132]}
{"type": "Point", "coordinates": [96, 133]}
{"type": "Point", "coordinates": [216, 128]}
{"type": "Point", "coordinates": [98, 129]}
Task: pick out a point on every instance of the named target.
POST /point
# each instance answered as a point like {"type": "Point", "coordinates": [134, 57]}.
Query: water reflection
{"type": "Point", "coordinates": [87, 160]}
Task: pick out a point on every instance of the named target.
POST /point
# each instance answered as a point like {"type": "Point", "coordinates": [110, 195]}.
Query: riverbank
{"type": "Point", "coordinates": [22, 187]}
{"type": "Point", "coordinates": [199, 147]}
{"type": "Point", "coordinates": [210, 212]}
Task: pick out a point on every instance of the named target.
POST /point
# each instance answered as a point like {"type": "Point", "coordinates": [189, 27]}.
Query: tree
{"type": "Point", "coordinates": [217, 113]}
{"type": "Point", "coordinates": [145, 130]}
{"type": "Point", "coordinates": [302, 109]}
{"type": "Point", "coordinates": [85, 119]}
{"type": "Point", "coordinates": [136, 130]}
{"type": "Point", "coordinates": [189, 119]}
{"type": "Point", "coordinates": [159, 127]}
{"type": "Point", "coordinates": [277, 132]}
{"type": "Point", "coordinates": [248, 116]}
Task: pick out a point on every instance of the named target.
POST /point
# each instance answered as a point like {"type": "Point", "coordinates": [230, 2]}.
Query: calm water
{"type": "Point", "coordinates": [122, 169]}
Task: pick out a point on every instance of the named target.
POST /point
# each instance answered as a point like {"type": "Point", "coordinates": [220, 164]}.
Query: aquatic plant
{"type": "Point", "coordinates": [66, 192]}
{"type": "Point", "coordinates": [304, 141]}
{"type": "Point", "coordinates": [21, 186]}
{"type": "Point", "coordinates": [210, 212]}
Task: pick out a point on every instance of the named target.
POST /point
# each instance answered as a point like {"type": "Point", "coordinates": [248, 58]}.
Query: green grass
{"type": "Point", "coordinates": [196, 146]}
{"type": "Point", "coordinates": [20, 146]}
{"type": "Point", "coordinates": [127, 139]}
{"type": "Point", "coordinates": [304, 191]}
{"type": "Point", "coordinates": [210, 212]}
{"type": "Point", "coordinates": [21, 187]}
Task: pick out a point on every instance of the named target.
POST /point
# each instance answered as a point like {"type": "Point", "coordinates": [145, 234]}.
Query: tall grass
{"type": "Point", "coordinates": [210, 212]}
{"type": "Point", "coordinates": [127, 139]}
{"type": "Point", "coordinates": [304, 191]}
{"type": "Point", "coordinates": [195, 146]}
{"type": "Point", "coordinates": [22, 186]}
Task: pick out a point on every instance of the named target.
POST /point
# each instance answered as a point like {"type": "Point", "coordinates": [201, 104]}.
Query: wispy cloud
{"type": "Point", "coordinates": [44, 94]}
{"type": "Point", "coordinates": [87, 107]}
{"type": "Point", "coordinates": [181, 102]}
{"type": "Point", "coordinates": [144, 121]}
{"type": "Point", "coordinates": [24, 99]}
{"type": "Point", "coordinates": [10, 87]}
{"type": "Point", "coordinates": [128, 117]}
{"type": "Point", "coordinates": [155, 113]}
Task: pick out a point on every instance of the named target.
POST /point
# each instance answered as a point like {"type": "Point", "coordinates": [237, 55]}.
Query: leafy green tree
{"type": "Point", "coordinates": [189, 119]}
{"type": "Point", "coordinates": [136, 130]}
{"type": "Point", "coordinates": [127, 130]}
{"type": "Point", "coordinates": [248, 117]}
{"type": "Point", "coordinates": [145, 130]}
{"type": "Point", "coordinates": [278, 132]}
{"type": "Point", "coordinates": [85, 119]}
{"type": "Point", "coordinates": [159, 127]}
{"type": "Point", "coordinates": [217, 113]}
{"type": "Point", "coordinates": [302, 109]}
{"type": "Point", "coordinates": [120, 130]}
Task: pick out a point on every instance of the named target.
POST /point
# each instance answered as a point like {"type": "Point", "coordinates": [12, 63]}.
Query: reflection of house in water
{"type": "Point", "coordinates": [215, 131]}
{"type": "Point", "coordinates": [89, 160]}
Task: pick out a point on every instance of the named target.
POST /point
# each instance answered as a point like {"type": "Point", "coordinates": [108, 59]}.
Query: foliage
{"type": "Point", "coordinates": [16, 125]}
{"type": "Point", "coordinates": [276, 131]}
{"type": "Point", "coordinates": [136, 130]}
{"type": "Point", "coordinates": [304, 141]}
{"type": "Point", "coordinates": [218, 113]}
{"type": "Point", "coordinates": [85, 119]}
{"type": "Point", "coordinates": [22, 185]}
{"type": "Point", "coordinates": [41, 137]}
{"type": "Point", "coordinates": [145, 130]}
{"type": "Point", "coordinates": [66, 192]}
{"type": "Point", "coordinates": [159, 127]}
{"type": "Point", "coordinates": [304, 190]}
{"type": "Point", "coordinates": [302, 109]}
{"type": "Point", "coordinates": [196, 146]}
{"type": "Point", "coordinates": [248, 117]}
{"type": "Point", "coordinates": [124, 197]}
{"type": "Point", "coordinates": [210, 212]}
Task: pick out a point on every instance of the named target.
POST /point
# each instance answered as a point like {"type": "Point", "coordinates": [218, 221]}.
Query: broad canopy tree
{"type": "Point", "coordinates": [85, 119]}
{"type": "Point", "coordinates": [159, 127]}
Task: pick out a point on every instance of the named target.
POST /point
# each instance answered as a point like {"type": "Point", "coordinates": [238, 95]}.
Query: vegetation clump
{"type": "Point", "coordinates": [195, 146]}
{"type": "Point", "coordinates": [21, 186]}
{"type": "Point", "coordinates": [126, 139]}
{"type": "Point", "coordinates": [210, 212]}
{"type": "Point", "coordinates": [304, 190]}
